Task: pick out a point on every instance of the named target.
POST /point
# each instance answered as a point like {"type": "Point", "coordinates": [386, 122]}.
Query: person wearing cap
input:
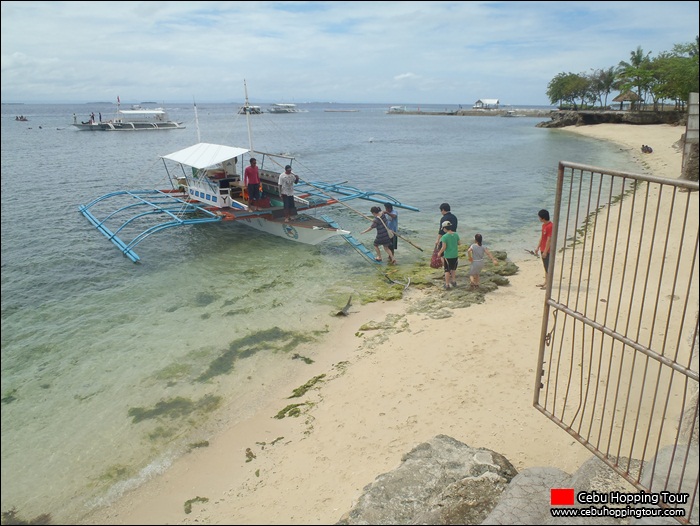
{"type": "Point", "coordinates": [446, 216]}
{"type": "Point", "coordinates": [286, 183]}
{"type": "Point", "coordinates": [251, 178]}
{"type": "Point", "coordinates": [449, 251]}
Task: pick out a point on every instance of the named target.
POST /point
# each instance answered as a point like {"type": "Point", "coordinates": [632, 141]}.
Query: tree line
{"type": "Point", "coordinates": [670, 76]}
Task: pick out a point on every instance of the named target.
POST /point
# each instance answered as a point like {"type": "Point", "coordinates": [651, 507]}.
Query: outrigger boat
{"type": "Point", "coordinates": [206, 187]}
{"type": "Point", "coordinates": [133, 120]}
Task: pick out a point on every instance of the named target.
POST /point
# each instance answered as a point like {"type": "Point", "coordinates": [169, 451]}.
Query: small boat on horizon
{"type": "Point", "coordinates": [285, 108]}
{"type": "Point", "coordinates": [252, 110]}
{"type": "Point", "coordinates": [397, 109]}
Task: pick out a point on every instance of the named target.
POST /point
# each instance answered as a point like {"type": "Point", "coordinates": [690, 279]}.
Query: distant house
{"type": "Point", "coordinates": [486, 104]}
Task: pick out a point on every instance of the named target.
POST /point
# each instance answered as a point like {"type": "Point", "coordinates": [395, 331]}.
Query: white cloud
{"type": "Point", "coordinates": [384, 52]}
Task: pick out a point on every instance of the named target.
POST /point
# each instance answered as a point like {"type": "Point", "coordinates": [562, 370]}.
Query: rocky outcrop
{"type": "Point", "coordinates": [445, 482]}
{"type": "Point", "coordinates": [561, 119]}
{"type": "Point", "coordinates": [527, 498]}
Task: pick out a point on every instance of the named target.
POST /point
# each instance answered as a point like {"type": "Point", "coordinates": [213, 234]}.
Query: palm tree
{"type": "Point", "coordinates": [602, 83]}
{"type": "Point", "coordinates": [636, 73]}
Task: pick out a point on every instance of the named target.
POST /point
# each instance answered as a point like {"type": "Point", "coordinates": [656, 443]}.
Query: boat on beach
{"type": "Point", "coordinates": [134, 119]}
{"type": "Point", "coordinates": [206, 186]}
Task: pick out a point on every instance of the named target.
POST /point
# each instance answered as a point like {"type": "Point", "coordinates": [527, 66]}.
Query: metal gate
{"type": "Point", "coordinates": [618, 357]}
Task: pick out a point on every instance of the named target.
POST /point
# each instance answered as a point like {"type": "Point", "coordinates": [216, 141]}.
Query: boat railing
{"type": "Point", "coordinates": [304, 202]}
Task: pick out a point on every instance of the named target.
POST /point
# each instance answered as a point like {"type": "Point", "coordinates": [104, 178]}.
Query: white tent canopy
{"type": "Point", "coordinates": [205, 155]}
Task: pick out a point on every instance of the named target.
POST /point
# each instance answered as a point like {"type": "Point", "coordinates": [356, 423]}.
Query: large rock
{"type": "Point", "coordinates": [443, 481]}
{"type": "Point", "coordinates": [668, 470]}
{"type": "Point", "coordinates": [527, 498]}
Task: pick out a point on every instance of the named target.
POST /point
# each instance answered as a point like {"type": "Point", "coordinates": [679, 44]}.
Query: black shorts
{"type": "Point", "coordinates": [450, 264]}
{"type": "Point", "coordinates": [288, 201]}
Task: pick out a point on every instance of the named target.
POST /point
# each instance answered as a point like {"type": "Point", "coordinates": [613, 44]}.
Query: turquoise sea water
{"type": "Point", "coordinates": [109, 369]}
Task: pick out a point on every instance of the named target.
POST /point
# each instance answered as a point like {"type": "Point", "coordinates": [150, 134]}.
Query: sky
{"type": "Point", "coordinates": [344, 52]}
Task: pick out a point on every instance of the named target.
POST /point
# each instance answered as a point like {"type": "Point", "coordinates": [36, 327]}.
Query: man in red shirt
{"type": "Point", "coordinates": [251, 178]}
{"type": "Point", "coordinates": [545, 241]}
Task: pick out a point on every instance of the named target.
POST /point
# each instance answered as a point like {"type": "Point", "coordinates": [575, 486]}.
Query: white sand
{"type": "Point", "coordinates": [470, 376]}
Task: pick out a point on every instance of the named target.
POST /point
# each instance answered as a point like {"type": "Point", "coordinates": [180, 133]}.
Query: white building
{"type": "Point", "coordinates": [486, 104]}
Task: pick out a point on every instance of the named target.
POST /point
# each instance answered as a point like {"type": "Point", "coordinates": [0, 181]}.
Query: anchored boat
{"type": "Point", "coordinates": [134, 119]}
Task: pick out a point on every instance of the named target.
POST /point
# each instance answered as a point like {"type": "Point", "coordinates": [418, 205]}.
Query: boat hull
{"type": "Point", "coordinates": [304, 229]}
{"type": "Point", "coordinates": [130, 126]}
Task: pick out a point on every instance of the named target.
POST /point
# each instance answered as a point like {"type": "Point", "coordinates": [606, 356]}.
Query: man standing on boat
{"type": "Point", "coordinates": [251, 178]}
{"type": "Point", "coordinates": [286, 184]}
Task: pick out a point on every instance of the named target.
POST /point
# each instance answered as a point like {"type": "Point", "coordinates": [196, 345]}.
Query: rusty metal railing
{"type": "Point", "coordinates": [618, 358]}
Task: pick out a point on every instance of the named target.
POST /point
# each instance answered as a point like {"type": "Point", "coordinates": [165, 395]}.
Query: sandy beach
{"type": "Point", "coordinates": [467, 373]}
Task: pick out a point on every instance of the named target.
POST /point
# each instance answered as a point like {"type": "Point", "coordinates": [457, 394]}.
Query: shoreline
{"type": "Point", "coordinates": [460, 372]}
{"type": "Point", "coordinates": [508, 112]}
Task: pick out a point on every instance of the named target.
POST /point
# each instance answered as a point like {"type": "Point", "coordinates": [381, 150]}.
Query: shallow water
{"type": "Point", "coordinates": [110, 369]}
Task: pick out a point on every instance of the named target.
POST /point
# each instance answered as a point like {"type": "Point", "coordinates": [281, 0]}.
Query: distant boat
{"type": "Point", "coordinates": [252, 110]}
{"type": "Point", "coordinates": [285, 108]}
{"type": "Point", "coordinates": [135, 119]}
{"type": "Point", "coordinates": [397, 109]}
{"type": "Point", "coordinates": [21, 118]}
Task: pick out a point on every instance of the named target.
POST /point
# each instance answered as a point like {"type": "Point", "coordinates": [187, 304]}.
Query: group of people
{"type": "Point", "coordinates": [646, 148]}
{"type": "Point", "coordinates": [286, 182]}
{"type": "Point", "coordinates": [447, 243]}
{"type": "Point", "coordinates": [386, 224]}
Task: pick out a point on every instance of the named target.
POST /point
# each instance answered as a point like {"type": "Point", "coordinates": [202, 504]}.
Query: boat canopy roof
{"type": "Point", "coordinates": [158, 111]}
{"type": "Point", "coordinates": [204, 155]}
